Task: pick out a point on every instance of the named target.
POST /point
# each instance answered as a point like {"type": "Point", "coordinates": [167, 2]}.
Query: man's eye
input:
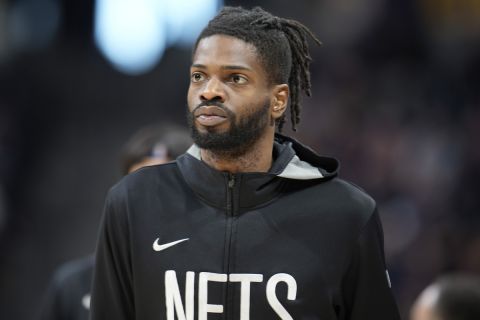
{"type": "Point", "coordinates": [196, 77]}
{"type": "Point", "coordinates": [238, 79]}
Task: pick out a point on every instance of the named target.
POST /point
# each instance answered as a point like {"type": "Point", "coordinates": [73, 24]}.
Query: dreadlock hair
{"type": "Point", "coordinates": [281, 45]}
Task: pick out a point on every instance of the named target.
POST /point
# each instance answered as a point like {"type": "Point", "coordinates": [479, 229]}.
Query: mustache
{"type": "Point", "coordinates": [209, 103]}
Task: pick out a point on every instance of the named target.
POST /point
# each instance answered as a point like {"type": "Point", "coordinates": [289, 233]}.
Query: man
{"type": "Point", "coordinates": [68, 295]}
{"type": "Point", "coordinates": [451, 297]}
{"type": "Point", "coordinates": [248, 224]}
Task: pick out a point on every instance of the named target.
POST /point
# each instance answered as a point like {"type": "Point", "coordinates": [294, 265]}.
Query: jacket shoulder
{"type": "Point", "coordinates": [146, 177]}
{"type": "Point", "coordinates": [150, 174]}
{"type": "Point", "coordinates": [348, 201]}
{"type": "Point", "coordinates": [353, 194]}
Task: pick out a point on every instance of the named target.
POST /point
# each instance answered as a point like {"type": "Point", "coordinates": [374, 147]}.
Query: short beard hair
{"type": "Point", "coordinates": [241, 135]}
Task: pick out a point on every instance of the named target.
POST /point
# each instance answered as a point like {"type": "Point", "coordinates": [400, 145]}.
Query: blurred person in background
{"type": "Point", "coordinates": [249, 223]}
{"type": "Point", "coordinates": [451, 297]}
{"type": "Point", "coordinates": [68, 295]}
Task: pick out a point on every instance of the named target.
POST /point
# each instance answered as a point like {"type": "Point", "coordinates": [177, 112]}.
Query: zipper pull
{"type": "Point", "coordinates": [231, 181]}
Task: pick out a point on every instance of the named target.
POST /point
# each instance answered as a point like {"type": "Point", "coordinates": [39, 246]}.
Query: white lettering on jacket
{"type": "Point", "coordinates": [203, 307]}
{"type": "Point", "coordinates": [174, 303]}
{"type": "Point", "coordinates": [272, 297]}
{"type": "Point", "coordinates": [245, 279]}
{"type": "Point", "coordinates": [173, 300]}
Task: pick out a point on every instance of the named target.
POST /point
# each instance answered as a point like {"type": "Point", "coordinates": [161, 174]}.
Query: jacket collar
{"type": "Point", "coordinates": [292, 162]}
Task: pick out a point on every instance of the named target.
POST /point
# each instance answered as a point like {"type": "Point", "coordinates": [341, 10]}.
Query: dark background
{"type": "Point", "coordinates": [395, 98]}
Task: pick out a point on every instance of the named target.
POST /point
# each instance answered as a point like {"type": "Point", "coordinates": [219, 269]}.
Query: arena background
{"type": "Point", "coordinates": [396, 99]}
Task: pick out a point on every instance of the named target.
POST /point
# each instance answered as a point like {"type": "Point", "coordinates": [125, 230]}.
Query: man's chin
{"type": "Point", "coordinates": [216, 141]}
{"type": "Point", "coordinates": [220, 129]}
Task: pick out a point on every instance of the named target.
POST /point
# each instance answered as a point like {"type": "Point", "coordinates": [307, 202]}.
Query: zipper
{"type": "Point", "coordinates": [228, 309]}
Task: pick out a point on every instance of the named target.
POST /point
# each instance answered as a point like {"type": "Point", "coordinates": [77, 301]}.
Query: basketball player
{"type": "Point", "coordinates": [249, 223]}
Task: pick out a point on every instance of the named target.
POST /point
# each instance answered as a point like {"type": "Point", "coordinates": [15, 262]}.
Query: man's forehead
{"type": "Point", "coordinates": [225, 49]}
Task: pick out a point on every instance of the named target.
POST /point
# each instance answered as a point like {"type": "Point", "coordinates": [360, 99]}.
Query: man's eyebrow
{"type": "Point", "coordinates": [227, 67]}
{"type": "Point", "coordinates": [200, 66]}
{"type": "Point", "coordinates": [233, 67]}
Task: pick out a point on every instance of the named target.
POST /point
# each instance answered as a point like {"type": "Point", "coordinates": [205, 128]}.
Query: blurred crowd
{"type": "Point", "coordinates": [396, 98]}
{"type": "Point", "coordinates": [399, 105]}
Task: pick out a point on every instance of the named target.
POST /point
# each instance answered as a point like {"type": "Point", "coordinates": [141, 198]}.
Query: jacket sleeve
{"type": "Point", "coordinates": [112, 293]}
{"type": "Point", "coordinates": [367, 288]}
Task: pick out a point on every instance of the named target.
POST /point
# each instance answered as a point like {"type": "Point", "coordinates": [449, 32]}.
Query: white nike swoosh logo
{"type": "Point", "coordinates": [160, 247]}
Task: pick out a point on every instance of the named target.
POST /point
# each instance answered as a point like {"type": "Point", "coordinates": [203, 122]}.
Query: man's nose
{"type": "Point", "coordinates": [213, 90]}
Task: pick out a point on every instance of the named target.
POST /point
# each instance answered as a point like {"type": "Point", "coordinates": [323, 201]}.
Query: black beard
{"type": "Point", "coordinates": [239, 138]}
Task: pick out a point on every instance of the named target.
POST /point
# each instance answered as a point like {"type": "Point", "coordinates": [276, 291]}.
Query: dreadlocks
{"type": "Point", "coordinates": [281, 45]}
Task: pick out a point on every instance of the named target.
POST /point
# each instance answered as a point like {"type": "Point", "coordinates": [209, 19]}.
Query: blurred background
{"type": "Point", "coordinates": [396, 99]}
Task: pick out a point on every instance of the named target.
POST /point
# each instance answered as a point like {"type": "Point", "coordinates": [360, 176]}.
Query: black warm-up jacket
{"type": "Point", "coordinates": [184, 241]}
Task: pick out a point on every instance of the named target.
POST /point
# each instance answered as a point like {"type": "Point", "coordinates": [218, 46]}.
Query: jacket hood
{"type": "Point", "coordinates": [293, 161]}
{"type": "Point", "coordinates": [305, 164]}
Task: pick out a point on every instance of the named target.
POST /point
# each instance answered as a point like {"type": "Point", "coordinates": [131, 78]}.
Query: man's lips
{"type": "Point", "coordinates": [210, 111]}
{"type": "Point", "coordinates": [210, 115]}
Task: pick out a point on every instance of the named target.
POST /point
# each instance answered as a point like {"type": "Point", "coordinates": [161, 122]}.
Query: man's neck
{"type": "Point", "coordinates": [258, 158]}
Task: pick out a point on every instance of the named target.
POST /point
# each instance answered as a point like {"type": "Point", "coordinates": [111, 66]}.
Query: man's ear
{"type": "Point", "coordinates": [280, 100]}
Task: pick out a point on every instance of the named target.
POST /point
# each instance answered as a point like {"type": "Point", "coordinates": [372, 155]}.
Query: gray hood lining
{"type": "Point", "coordinates": [296, 169]}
